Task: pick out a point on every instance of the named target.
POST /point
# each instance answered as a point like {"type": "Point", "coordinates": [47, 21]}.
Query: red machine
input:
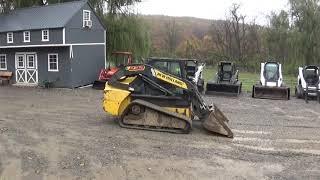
{"type": "Point", "coordinates": [120, 59]}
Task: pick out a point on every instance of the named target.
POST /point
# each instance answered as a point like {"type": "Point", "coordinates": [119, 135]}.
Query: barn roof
{"type": "Point", "coordinates": [40, 17]}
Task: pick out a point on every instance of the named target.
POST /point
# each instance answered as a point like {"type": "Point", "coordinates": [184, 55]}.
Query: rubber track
{"type": "Point", "coordinates": [159, 110]}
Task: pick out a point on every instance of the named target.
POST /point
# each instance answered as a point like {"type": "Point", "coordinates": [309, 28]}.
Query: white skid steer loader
{"type": "Point", "coordinates": [271, 84]}
{"type": "Point", "coordinates": [308, 83]}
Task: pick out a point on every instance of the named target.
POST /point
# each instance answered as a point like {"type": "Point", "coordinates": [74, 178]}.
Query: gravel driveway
{"type": "Point", "coordinates": [64, 134]}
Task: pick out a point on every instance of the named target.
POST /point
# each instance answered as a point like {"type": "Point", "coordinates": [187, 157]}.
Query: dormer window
{"type": "Point", "coordinates": [26, 36]}
{"type": "Point", "coordinates": [45, 35]}
{"type": "Point", "coordinates": [10, 37]}
{"type": "Point", "coordinates": [87, 19]}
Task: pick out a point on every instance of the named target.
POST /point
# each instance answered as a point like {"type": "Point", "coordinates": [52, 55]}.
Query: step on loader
{"type": "Point", "coordinates": [146, 98]}
{"type": "Point", "coordinates": [271, 84]}
{"type": "Point", "coordinates": [308, 83]}
{"type": "Point", "coordinates": [226, 81]}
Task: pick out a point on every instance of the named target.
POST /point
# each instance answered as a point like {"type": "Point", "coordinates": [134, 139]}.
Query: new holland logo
{"type": "Point", "coordinates": [170, 79]}
{"type": "Point", "coordinates": [135, 68]}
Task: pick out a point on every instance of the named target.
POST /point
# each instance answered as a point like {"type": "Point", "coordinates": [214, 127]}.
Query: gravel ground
{"type": "Point", "coordinates": [64, 134]}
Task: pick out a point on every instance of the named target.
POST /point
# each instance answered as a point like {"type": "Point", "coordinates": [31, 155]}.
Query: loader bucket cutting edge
{"type": "Point", "coordinates": [224, 89]}
{"type": "Point", "coordinates": [278, 93]}
{"type": "Point", "coordinates": [217, 122]}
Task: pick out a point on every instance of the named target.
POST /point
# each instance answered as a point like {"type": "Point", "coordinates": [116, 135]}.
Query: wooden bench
{"type": "Point", "coordinates": [5, 77]}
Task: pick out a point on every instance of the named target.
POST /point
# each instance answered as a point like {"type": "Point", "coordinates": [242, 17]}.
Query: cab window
{"type": "Point", "coordinates": [175, 69]}
{"type": "Point", "coordinates": [271, 71]}
{"type": "Point", "coordinates": [163, 66]}
{"type": "Point", "coordinates": [169, 67]}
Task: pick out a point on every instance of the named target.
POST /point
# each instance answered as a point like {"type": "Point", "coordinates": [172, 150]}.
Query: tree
{"type": "Point", "coordinates": [293, 36]}
{"type": "Point", "coordinates": [277, 36]}
{"type": "Point", "coordinates": [190, 48]}
{"type": "Point", "coordinates": [238, 31]}
{"type": "Point", "coordinates": [306, 19]}
{"type": "Point", "coordinates": [118, 6]}
{"type": "Point", "coordinates": [128, 33]}
{"type": "Point", "coordinates": [235, 39]}
{"type": "Point", "coordinates": [6, 5]}
{"type": "Point", "coordinates": [171, 36]}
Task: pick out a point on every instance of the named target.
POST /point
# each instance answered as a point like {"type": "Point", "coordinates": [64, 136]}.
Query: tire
{"type": "Point", "coordinates": [299, 92]}
{"type": "Point", "coordinates": [253, 91]}
{"type": "Point", "coordinates": [296, 93]}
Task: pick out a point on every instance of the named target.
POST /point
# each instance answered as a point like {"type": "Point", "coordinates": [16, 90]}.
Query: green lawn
{"type": "Point", "coordinates": [248, 79]}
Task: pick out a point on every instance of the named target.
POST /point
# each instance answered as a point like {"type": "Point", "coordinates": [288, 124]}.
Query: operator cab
{"type": "Point", "coordinates": [311, 75]}
{"type": "Point", "coordinates": [226, 70]}
{"type": "Point", "coordinates": [271, 72]}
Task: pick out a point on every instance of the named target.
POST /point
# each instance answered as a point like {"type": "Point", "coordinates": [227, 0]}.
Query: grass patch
{"type": "Point", "coordinates": [248, 79]}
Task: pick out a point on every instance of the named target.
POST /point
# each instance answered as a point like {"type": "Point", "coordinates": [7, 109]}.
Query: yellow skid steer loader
{"type": "Point", "coordinates": [143, 97]}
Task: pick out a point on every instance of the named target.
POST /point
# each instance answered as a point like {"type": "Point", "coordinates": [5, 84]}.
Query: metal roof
{"type": "Point", "coordinates": [40, 17]}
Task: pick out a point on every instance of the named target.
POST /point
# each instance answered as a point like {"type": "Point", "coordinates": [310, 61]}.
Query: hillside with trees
{"type": "Point", "coordinates": [181, 28]}
{"type": "Point", "coordinates": [208, 40]}
{"type": "Point", "coordinates": [290, 37]}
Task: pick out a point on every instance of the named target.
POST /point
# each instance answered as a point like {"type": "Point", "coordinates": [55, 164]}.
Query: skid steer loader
{"type": "Point", "coordinates": [226, 82]}
{"type": "Point", "coordinates": [271, 84]}
{"type": "Point", "coordinates": [308, 83]}
{"type": "Point", "coordinates": [143, 97]}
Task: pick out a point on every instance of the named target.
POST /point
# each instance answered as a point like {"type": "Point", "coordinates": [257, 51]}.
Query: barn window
{"type": "Point", "coordinates": [87, 19]}
{"type": "Point", "coordinates": [26, 36]}
{"type": "Point", "coordinates": [45, 35]}
{"type": "Point", "coordinates": [10, 37]}
{"type": "Point", "coordinates": [53, 63]}
{"type": "Point", "coordinates": [3, 62]}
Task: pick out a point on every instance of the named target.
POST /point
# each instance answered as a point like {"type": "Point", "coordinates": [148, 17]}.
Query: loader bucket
{"type": "Point", "coordinates": [223, 89]}
{"type": "Point", "coordinates": [217, 122]}
{"type": "Point", "coordinates": [277, 93]}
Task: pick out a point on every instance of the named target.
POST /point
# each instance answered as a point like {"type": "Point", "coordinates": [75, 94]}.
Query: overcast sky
{"type": "Point", "coordinates": [211, 9]}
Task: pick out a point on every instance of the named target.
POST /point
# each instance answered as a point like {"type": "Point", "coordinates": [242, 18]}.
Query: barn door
{"type": "Point", "coordinates": [20, 69]}
{"type": "Point", "coordinates": [31, 69]}
{"type": "Point", "coordinates": [26, 69]}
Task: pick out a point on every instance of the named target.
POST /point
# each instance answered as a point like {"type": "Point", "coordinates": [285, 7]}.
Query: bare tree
{"type": "Point", "coordinates": [172, 36]}
{"type": "Point", "coordinates": [6, 5]}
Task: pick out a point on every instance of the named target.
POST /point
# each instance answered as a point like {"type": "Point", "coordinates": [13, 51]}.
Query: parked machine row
{"type": "Point", "coordinates": [271, 84]}
{"type": "Point", "coordinates": [165, 94]}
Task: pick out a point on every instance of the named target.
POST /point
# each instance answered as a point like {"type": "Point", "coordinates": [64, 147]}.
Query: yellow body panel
{"type": "Point", "coordinates": [115, 100]}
